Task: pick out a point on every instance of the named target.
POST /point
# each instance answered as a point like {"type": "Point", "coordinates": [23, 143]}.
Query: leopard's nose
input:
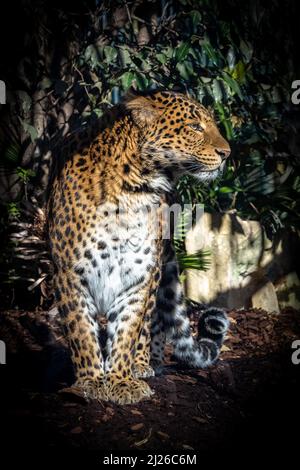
{"type": "Point", "coordinates": [223, 152]}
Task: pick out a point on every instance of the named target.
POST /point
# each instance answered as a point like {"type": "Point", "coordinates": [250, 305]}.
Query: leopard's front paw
{"type": "Point", "coordinates": [128, 391]}
{"type": "Point", "coordinates": [92, 389]}
{"type": "Point", "coordinates": [143, 371]}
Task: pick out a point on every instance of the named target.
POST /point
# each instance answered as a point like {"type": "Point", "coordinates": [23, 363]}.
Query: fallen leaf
{"type": "Point", "coordinates": [109, 413]}
{"type": "Point", "coordinates": [77, 430]}
{"type": "Point", "coordinates": [136, 427]}
{"type": "Point", "coordinates": [200, 420]}
{"type": "Point", "coordinates": [136, 412]}
{"type": "Point", "coordinates": [186, 446]}
{"type": "Point", "coordinates": [143, 441]}
{"type": "Point", "coordinates": [163, 435]}
{"type": "Point", "coordinates": [106, 418]}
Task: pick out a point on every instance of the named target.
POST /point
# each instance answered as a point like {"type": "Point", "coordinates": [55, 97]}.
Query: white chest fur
{"type": "Point", "coordinates": [118, 256]}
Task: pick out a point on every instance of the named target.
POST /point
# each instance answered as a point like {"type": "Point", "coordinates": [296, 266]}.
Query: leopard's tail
{"type": "Point", "coordinates": [203, 350]}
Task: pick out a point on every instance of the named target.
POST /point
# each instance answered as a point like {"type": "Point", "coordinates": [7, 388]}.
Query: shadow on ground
{"type": "Point", "coordinates": [248, 403]}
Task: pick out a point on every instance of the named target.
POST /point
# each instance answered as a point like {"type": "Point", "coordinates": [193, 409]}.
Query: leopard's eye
{"type": "Point", "coordinates": [196, 127]}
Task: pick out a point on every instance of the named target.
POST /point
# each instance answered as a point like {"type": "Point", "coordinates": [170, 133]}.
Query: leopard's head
{"type": "Point", "coordinates": [179, 135]}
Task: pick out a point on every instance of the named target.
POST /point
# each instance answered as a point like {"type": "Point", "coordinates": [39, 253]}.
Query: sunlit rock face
{"type": "Point", "coordinates": [246, 269]}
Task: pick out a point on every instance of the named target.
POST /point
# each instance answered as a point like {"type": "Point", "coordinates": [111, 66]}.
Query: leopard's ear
{"type": "Point", "coordinates": [142, 109]}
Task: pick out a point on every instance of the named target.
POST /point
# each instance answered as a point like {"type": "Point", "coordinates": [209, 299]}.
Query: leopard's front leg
{"type": "Point", "coordinates": [125, 325]}
{"type": "Point", "coordinates": [81, 331]}
{"type": "Point", "coordinates": [142, 368]}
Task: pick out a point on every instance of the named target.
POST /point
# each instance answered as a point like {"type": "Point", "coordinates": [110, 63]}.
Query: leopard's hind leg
{"type": "Point", "coordinates": [171, 322]}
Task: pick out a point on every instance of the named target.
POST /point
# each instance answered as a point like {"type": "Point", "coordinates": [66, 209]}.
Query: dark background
{"type": "Point", "coordinates": [45, 57]}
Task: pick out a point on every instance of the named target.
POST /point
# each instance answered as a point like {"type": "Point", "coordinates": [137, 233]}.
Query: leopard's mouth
{"type": "Point", "coordinates": [194, 166]}
{"type": "Point", "coordinates": [219, 168]}
{"type": "Point", "coordinates": [205, 174]}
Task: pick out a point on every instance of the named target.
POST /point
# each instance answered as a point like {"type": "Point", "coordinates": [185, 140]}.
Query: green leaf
{"type": "Point", "coordinates": [189, 68]}
{"type": "Point", "coordinates": [233, 85]}
{"type": "Point", "coordinates": [168, 51]}
{"type": "Point", "coordinates": [239, 72]}
{"type": "Point", "coordinates": [125, 57]}
{"type": "Point", "coordinates": [226, 190]}
{"type": "Point", "coordinates": [205, 79]}
{"type": "Point", "coordinates": [91, 55]}
{"type": "Point", "coordinates": [196, 18]}
{"type": "Point", "coordinates": [199, 260]}
{"type": "Point", "coordinates": [12, 152]}
{"type": "Point", "coordinates": [29, 129]}
{"type": "Point", "coordinates": [217, 90]}
{"type": "Point", "coordinates": [141, 81]}
{"type": "Point", "coordinates": [13, 210]}
{"type": "Point", "coordinates": [98, 112]}
{"type": "Point", "coordinates": [25, 100]}
{"type": "Point", "coordinates": [45, 83]}
{"type": "Point", "coordinates": [162, 58]}
{"type": "Point", "coordinates": [127, 79]}
{"type": "Point", "coordinates": [137, 61]}
{"type": "Point", "coordinates": [247, 50]}
{"type": "Point", "coordinates": [182, 51]}
{"type": "Point", "coordinates": [231, 58]}
{"type": "Point", "coordinates": [225, 121]}
{"type": "Point", "coordinates": [110, 54]}
{"type": "Point", "coordinates": [210, 52]}
{"type": "Point", "coordinates": [25, 174]}
{"type": "Point", "coordinates": [183, 71]}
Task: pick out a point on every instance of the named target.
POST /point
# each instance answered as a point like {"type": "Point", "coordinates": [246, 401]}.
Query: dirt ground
{"type": "Point", "coordinates": [248, 401]}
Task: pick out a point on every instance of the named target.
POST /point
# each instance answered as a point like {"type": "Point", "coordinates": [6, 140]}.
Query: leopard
{"type": "Point", "coordinates": [112, 259]}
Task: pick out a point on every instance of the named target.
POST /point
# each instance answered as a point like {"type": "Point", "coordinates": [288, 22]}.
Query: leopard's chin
{"type": "Point", "coordinates": [207, 176]}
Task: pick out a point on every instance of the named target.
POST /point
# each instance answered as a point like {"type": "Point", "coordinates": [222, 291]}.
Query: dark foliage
{"type": "Point", "coordinates": [66, 63]}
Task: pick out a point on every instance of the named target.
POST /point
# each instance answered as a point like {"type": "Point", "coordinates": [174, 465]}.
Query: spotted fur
{"type": "Point", "coordinates": [107, 245]}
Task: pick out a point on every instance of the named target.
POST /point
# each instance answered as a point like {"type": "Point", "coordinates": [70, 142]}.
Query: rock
{"type": "Point", "coordinates": [265, 298]}
{"type": "Point", "coordinates": [288, 291]}
{"type": "Point", "coordinates": [242, 259]}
